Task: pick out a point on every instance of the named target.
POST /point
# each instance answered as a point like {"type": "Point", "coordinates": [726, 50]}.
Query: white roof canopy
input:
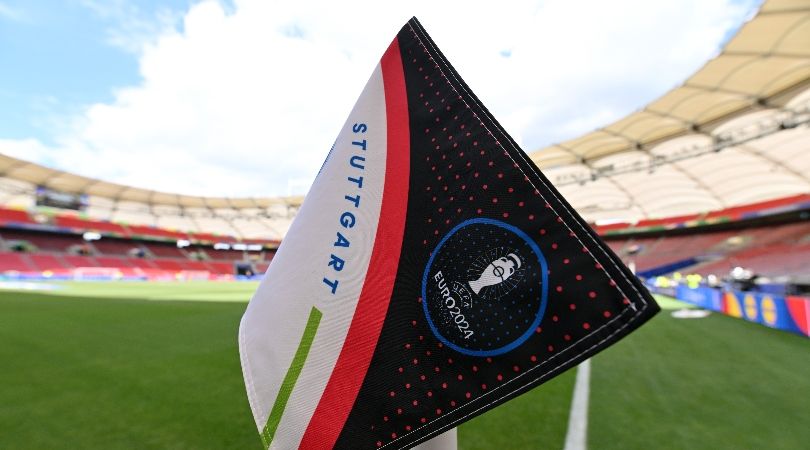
{"type": "Point", "coordinates": [735, 132]}
{"type": "Point", "coordinates": [732, 133]}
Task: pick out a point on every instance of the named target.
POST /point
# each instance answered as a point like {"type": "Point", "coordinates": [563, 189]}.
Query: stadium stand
{"type": "Point", "coordinates": [33, 247]}
{"type": "Point", "coordinates": [44, 262]}
{"type": "Point", "coordinates": [220, 267]}
{"type": "Point", "coordinates": [170, 264]}
{"type": "Point", "coordinates": [14, 262]}
{"type": "Point", "coordinates": [781, 250]}
{"type": "Point", "coordinates": [80, 261]}
{"type": "Point", "coordinates": [132, 212]}
{"type": "Point", "coordinates": [711, 243]}
{"type": "Point", "coordinates": [113, 261]}
{"type": "Point", "coordinates": [12, 216]}
{"type": "Point", "coordinates": [143, 263]}
{"type": "Point", "coordinates": [155, 232]}
{"type": "Point", "coordinates": [43, 241]}
{"type": "Point", "coordinates": [201, 265]}
{"type": "Point", "coordinates": [111, 246]}
{"type": "Point", "coordinates": [78, 223]}
{"type": "Point", "coordinates": [692, 181]}
{"type": "Point", "coordinates": [168, 217]}
{"type": "Point", "coordinates": [225, 255]}
{"type": "Point", "coordinates": [166, 250]}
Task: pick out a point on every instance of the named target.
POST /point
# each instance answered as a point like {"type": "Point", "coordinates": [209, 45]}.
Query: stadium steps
{"type": "Point", "coordinates": [113, 261]}
{"type": "Point", "coordinates": [81, 261]}
{"type": "Point", "coordinates": [144, 263]}
{"type": "Point", "coordinates": [28, 261]}
{"type": "Point", "coordinates": [46, 261]}
{"type": "Point", "coordinates": [222, 267]}
{"type": "Point", "coordinates": [169, 264]}
{"type": "Point", "coordinates": [146, 251]}
{"type": "Point", "coordinates": [61, 259]}
{"type": "Point", "coordinates": [14, 261]}
{"type": "Point", "coordinates": [93, 249]}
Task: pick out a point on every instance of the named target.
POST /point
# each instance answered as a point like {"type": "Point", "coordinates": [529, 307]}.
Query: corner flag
{"type": "Point", "coordinates": [431, 274]}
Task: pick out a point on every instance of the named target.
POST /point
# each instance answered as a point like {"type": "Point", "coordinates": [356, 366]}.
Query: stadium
{"type": "Point", "coordinates": [120, 305]}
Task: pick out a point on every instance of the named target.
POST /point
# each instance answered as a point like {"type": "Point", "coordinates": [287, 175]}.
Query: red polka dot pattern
{"type": "Point", "coordinates": [463, 168]}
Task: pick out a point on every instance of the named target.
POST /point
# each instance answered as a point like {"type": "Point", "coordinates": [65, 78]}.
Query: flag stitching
{"type": "Point", "coordinates": [565, 209]}
{"type": "Point", "coordinates": [629, 321]}
{"type": "Point", "coordinates": [545, 375]}
{"type": "Point", "coordinates": [497, 128]}
{"type": "Point", "coordinates": [497, 142]}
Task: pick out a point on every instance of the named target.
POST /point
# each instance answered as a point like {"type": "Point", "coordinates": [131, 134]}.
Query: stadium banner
{"type": "Point", "coordinates": [732, 306]}
{"type": "Point", "coordinates": [431, 274]}
{"type": "Point", "coordinates": [765, 309]}
{"type": "Point", "coordinates": [704, 297]}
{"type": "Point", "coordinates": [774, 311]}
{"type": "Point", "coordinates": [656, 288]}
{"type": "Point", "coordinates": [799, 309]}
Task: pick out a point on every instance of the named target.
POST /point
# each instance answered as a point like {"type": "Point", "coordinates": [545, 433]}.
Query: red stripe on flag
{"type": "Point", "coordinates": [355, 356]}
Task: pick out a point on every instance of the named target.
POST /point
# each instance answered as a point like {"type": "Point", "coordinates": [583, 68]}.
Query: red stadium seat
{"type": "Point", "coordinates": [15, 261]}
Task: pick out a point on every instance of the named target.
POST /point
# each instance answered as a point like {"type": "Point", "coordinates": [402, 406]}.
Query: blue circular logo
{"type": "Point", "coordinates": [484, 289]}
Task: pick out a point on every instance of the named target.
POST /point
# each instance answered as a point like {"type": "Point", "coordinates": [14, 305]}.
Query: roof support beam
{"type": "Point", "coordinates": [629, 195]}
{"type": "Point", "coordinates": [18, 164]}
{"type": "Point", "coordinates": [753, 151]}
{"type": "Point", "coordinates": [705, 88]}
{"type": "Point", "coordinates": [783, 11]}
{"type": "Point", "coordinates": [765, 55]}
{"type": "Point", "coordinates": [711, 192]}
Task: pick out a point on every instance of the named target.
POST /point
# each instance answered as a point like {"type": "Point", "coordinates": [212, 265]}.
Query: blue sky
{"type": "Point", "coordinates": [58, 56]}
{"type": "Point", "coordinates": [134, 91]}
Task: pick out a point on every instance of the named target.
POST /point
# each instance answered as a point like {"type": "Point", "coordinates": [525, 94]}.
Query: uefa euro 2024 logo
{"type": "Point", "coordinates": [484, 287]}
{"type": "Point", "coordinates": [496, 273]}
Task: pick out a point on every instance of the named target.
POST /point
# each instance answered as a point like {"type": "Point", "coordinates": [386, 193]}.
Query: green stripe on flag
{"type": "Point", "coordinates": [292, 376]}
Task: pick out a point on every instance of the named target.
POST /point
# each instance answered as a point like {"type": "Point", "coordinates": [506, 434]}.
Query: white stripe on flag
{"type": "Point", "coordinates": [276, 317]}
{"type": "Point", "coordinates": [577, 436]}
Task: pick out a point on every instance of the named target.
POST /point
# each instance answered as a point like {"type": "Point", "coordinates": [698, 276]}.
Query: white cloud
{"type": "Point", "coordinates": [10, 13]}
{"type": "Point", "coordinates": [249, 101]}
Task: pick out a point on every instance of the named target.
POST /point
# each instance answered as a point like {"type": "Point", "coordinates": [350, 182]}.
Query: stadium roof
{"type": "Point", "coordinates": [756, 81]}
{"type": "Point", "coordinates": [735, 132]}
{"type": "Point", "coordinates": [67, 182]}
{"type": "Point", "coordinates": [768, 57]}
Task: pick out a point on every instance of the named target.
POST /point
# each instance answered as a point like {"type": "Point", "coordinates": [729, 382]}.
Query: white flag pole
{"type": "Point", "coordinates": [445, 441]}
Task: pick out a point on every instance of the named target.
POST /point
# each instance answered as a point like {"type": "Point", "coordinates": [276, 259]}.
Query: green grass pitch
{"type": "Point", "coordinates": [155, 365]}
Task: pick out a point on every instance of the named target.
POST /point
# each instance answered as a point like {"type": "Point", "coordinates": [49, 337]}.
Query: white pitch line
{"type": "Point", "coordinates": [577, 436]}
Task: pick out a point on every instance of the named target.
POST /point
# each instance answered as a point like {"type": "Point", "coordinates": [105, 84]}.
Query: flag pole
{"type": "Point", "coordinates": [445, 441]}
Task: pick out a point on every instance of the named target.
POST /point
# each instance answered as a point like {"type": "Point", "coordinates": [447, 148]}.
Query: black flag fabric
{"type": "Point", "coordinates": [432, 273]}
